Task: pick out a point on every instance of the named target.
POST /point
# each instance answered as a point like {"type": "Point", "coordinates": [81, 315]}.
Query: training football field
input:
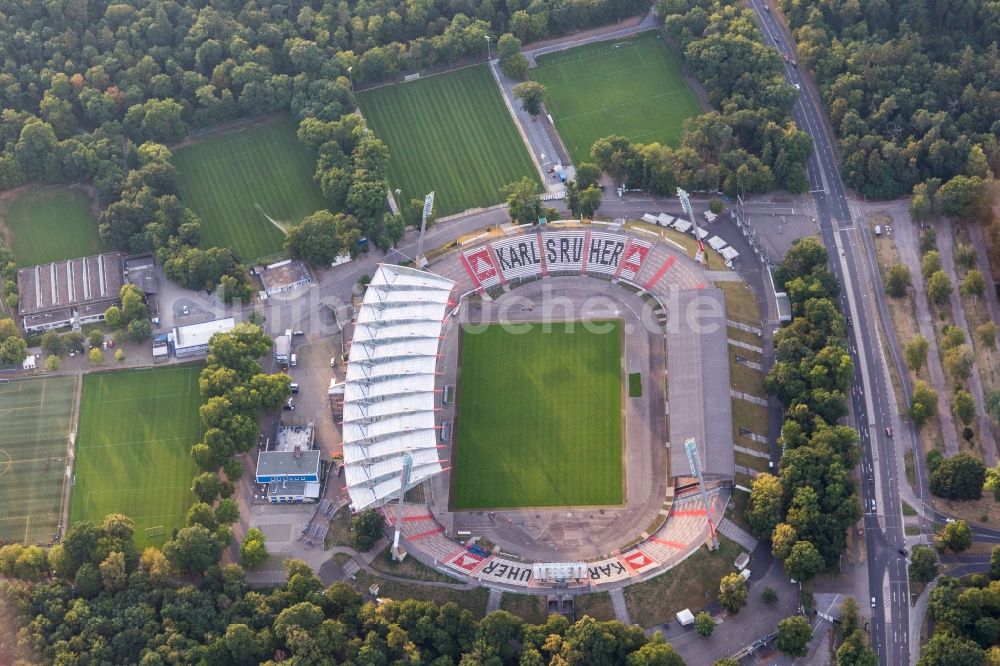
{"type": "Point", "coordinates": [36, 415]}
{"type": "Point", "coordinates": [133, 449]}
{"type": "Point", "coordinates": [236, 179]}
{"type": "Point", "coordinates": [539, 418]}
{"type": "Point", "coordinates": [449, 133]}
{"type": "Point", "coordinates": [50, 223]}
{"type": "Point", "coordinates": [631, 87]}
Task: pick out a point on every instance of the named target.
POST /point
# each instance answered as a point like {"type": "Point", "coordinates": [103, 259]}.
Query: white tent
{"type": "Point", "coordinates": [665, 220]}
{"type": "Point", "coordinates": [716, 243]}
{"type": "Point", "coordinates": [389, 390]}
{"type": "Point", "coordinates": [701, 233]}
{"type": "Point", "coordinates": [649, 217]}
{"type": "Point", "coordinates": [685, 617]}
{"type": "Point", "coordinates": [729, 253]}
{"type": "Point", "coordinates": [682, 226]}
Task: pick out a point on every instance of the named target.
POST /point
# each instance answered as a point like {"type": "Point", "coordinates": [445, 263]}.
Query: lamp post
{"type": "Point", "coordinates": [488, 57]}
{"type": "Point", "coordinates": [351, 76]}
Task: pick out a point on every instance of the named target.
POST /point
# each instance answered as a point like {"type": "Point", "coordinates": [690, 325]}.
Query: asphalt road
{"type": "Point", "coordinates": [887, 575]}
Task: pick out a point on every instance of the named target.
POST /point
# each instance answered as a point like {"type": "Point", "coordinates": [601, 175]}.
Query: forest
{"type": "Point", "coordinates": [912, 88]}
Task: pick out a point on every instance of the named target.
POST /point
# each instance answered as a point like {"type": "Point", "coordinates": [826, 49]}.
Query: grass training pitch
{"type": "Point", "coordinates": [539, 419]}
{"type": "Point", "coordinates": [235, 180]}
{"type": "Point", "coordinates": [133, 450]}
{"type": "Point", "coordinates": [450, 133]}
{"type": "Point", "coordinates": [36, 415]}
{"type": "Point", "coordinates": [48, 224]}
{"type": "Point", "coordinates": [632, 87]}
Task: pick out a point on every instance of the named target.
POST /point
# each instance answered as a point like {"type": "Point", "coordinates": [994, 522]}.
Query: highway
{"type": "Point", "coordinates": [883, 521]}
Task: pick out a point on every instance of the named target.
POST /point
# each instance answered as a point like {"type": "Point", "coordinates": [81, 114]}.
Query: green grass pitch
{"type": "Point", "coordinates": [36, 415]}
{"type": "Point", "coordinates": [631, 87]}
{"type": "Point", "coordinates": [450, 133]}
{"type": "Point", "coordinates": [50, 224]}
{"type": "Point", "coordinates": [133, 450]}
{"type": "Point", "coordinates": [236, 179]}
{"type": "Point", "coordinates": [539, 419]}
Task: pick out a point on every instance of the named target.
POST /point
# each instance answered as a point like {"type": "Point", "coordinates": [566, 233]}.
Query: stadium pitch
{"type": "Point", "coordinates": [50, 224]}
{"type": "Point", "coordinates": [631, 87]}
{"type": "Point", "coordinates": [36, 415]}
{"type": "Point", "coordinates": [539, 418]}
{"type": "Point", "coordinates": [450, 133]}
{"type": "Point", "coordinates": [235, 180]}
{"type": "Point", "coordinates": [133, 450]}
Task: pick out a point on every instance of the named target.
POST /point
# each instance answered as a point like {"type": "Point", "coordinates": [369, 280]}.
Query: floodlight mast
{"type": "Point", "coordinates": [404, 481]}
{"type": "Point", "coordinates": [691, 448]}
{"type": "Point", "coordinates": [686, 205]}
{"type": "Point", "coordinates": [428, 207]}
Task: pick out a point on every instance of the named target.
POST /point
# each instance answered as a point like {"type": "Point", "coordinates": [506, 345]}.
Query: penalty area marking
{"type": "Point", "coordinates": [6, 462]}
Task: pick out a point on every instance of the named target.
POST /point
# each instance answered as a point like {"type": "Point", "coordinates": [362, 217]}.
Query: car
{"type": "Point", "coordinates": [767, 8]}
{"type": "Point", "coordinates": [795, 63]}
{"type": "Point", "coordinates": [849, 322]}
{"type": "Point", "coordinates": [888, 431]}
{"type": "Point", "coordinates": [949, 521]}
{"type": "Point", "coordinates": [904, 552]}
{"type": "Point", "coordinates": [777, 40]}
{"type": "Point", "coordinates": [184, 310]}
{"type": "Point", "coordinates": [298, 333]}
{"type": "Point", "coordinates": [798, 87]}
{"type": "Point", "coordinates": [873, 602]}
{"type": "Point", "coordinates": [871, 479]}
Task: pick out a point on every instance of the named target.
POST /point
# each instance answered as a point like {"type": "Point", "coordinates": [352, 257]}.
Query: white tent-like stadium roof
{"type": "Point", "coordinates": [389, 390]}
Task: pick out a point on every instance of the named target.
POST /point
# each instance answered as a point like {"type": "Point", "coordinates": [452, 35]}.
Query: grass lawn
{"type": "Point", "coordinates": [48, 224]}
{"type": "Point", "coordinates": [473, 600]}
{"type": "Point", "coordinates": [597, 605]}
{"type": "Point", "coordinates": [411, 567]}
{"type": "Point", "coordinates": [539, 418]}
{"type": "Point", "coordinates": [133, 450]}
{"type": "Point", "coordinates": [632, 87]}
{"type": "Point", "coordinates": [693, 584]}
{"type": "Point", "coordinates": [36, 415]}
{"type": "Point", "coordinates": [235, 180]}
{"type": "Point", "coordinates": [741, 304]}
{"type": "Point", "coordinates": [450, 133]}
{"type": "Point", "coordinates": [532, 608]}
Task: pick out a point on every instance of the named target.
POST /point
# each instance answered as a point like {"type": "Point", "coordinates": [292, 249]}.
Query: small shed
{"type": "Point", "coordinates": [729, 253]}
{"type": "Point", "coordinates": [682, 226]}
{"type": "Point", "coordinates": [665, 220]}
{"type": "Point", "coordinates": [716, 243]}
{"type": "Point", "coordinates": [649, 217]}
{"type": "Point", "coordinates": [685, 618]}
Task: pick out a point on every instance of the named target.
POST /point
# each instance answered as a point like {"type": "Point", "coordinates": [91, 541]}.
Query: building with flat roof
{"type": "Point", "coordinates": [68, 293]}
{"type": "Point", "coordinates": [140, 272]}
{"type": "Point", "coordinates": [284, 276]}
{"type": "Point", "coordinates": [193, 339]}
{"type": "Point", "coordinates": [698, 386]}
{"type": "Point", "coordinates": [292, 492]}
{"type": "Point", "coordinates": [288, 466]}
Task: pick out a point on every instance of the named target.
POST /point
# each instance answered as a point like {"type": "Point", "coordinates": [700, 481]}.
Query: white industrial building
{"type": "Point", "coordinates": [388, 411]}
{"type": "Point", "coordinates": [193, 339]}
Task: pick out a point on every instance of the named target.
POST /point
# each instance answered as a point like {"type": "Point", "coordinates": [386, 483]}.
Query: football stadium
{"type": "Point", "coordinates": [543, 407]}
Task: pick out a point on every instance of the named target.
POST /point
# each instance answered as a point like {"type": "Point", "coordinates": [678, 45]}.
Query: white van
{"type": "Point", "coordinates": [293, 361]}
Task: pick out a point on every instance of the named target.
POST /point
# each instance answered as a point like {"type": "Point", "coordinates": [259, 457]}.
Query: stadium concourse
{"type": "Point", "coordinates": [664, 518]}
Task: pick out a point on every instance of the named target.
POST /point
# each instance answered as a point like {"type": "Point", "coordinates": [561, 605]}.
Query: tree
{"type": "Point", "coordinates": [947, 649]}
{"type": "Point", "coordinates": [764, 509]}
{"type": "Point", "coordinates": [782, 540]}
{"type": "Point", "coordinates": [958, 361]}
{"type": "Point", "coordinates": [898, 280]}
{"type": "Point", "coordinates": [193, 550]}
{"type": "Point", "coordinates": [13, 351]}
{"type": "Point", "coordinates": [201, 514]}
{"type": "Point", "coordinates": [73, 341]}
{"type": "Point", "coordinates": [133, 303]}
{"type": "Point", "coordinates": [590, 201]}
{"type": "Point", "coordinates": [587, 174]}
{"type": "Point", "coordinates": [923, 403]}
{"type": "Point", "coordinates": [974, 284]}
{"type": "Point", "coordinates": [52, 363]}
{"type": "Point", "coordinates": [253, 553]}
{"type": "Point", "coordinates": [769, 596]}
{"type": "Point", "coordinates": [956, 536]}
{"type": "Point", "coordinates": [227, 513]}
{"type": "Point", "coordinates": [987, 334]}
{"type": "Point", "coordinates": [155, 562]}
{"type": "Point", "coordinates": [524, 204]}
{"type": "Point", "coordinates": [532, 95]}
{"type": "Point", "coordinates": [938, 288]}
{"type": "Point", "coordinates": [963, 407]}
{"type": "Point", "coordinates": [915, 352]}
{"type": "Point", "coordinates": [321, 237]}
{"type": "Point", "coordinates": [959, 477]}
{"type": "Point", "coordinates": [52, 343]}
{"type": "Point", "coordinates": [850, 616]}
{"type": "Point", "coordinates": [704, 624]}
{"type": "Point", "coordinates": [114, 318]}
{"type": "Point", "coordinates": [964, 197]}
{"type": "Point", "coordinates": [113, 573]}
{"type": "Point", "coordinates": [923, 564]}
{"type": "Point", "coordinates": [139, 330]}
{"type": "Point", "coordinates": [572, 198]}
{"type": "Point", "coordinates": [930, 263]}
{"type": "Point", "coordinates": [95, 338]}
{"type": "Point", "coordinates": [854, 651]}
{"type": "Point", "coordinates": [994, 563]}
{"type": "Point", "coordinates": [96, 355]}
{"type": "Point", "coordinates": [733, 592]}
{"type": "Point", "coordinates": [206, 487]}
{"type": "Point", "coordinates": [803, 561]}
{"type": "Point", "coordinates": [794, 634]}
{"type": "Point", "coordinates": [119, 354]}
{"type": "Point", "coordinates": [366, 529]}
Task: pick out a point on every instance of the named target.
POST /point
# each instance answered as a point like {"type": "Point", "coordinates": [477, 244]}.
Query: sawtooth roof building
{"type": "Point", "coordinates": [389, 390]}
{"type": "Point", "coordinates": [63, 293]}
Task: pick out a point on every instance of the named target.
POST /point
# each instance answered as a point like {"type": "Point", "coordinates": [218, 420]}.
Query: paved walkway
{"type": "Point", "coordinates": [738, 534]}
{"type": "Point", "coordinates": [621, 609]}
{"type": "Point", "coordinates": [493, 602]}
{"type": "Point", "coordinates": [986, 438]}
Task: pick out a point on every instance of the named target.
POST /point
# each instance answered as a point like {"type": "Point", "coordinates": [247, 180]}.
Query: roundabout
{"type": "Point", "coordinates": [673, 330]}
